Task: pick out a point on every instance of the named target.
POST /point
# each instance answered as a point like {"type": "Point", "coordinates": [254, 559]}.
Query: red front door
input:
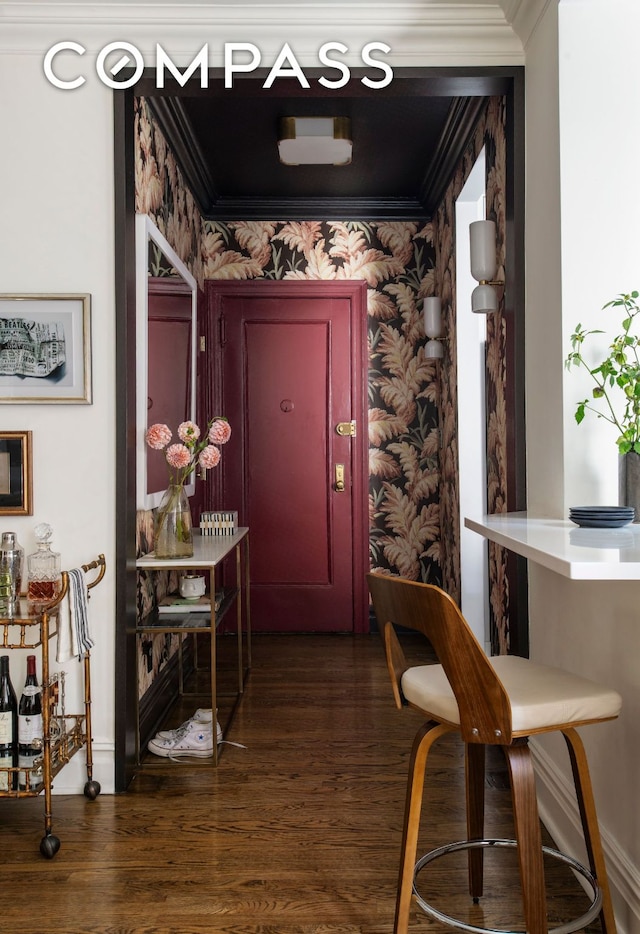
{"type": "Point", "coordinates": [291, 369]}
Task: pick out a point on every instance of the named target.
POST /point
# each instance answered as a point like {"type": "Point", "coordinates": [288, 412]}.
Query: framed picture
{"type": "Point", "coordinates": [45, 348]}
{"type": "Point", "coordinates": [16, 498]}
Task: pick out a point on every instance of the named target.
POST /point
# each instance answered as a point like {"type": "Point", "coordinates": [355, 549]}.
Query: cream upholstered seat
{"type": "Point", "coordinates": [489, 701]}
{"type": "Point", "coordinates": [541, 698]}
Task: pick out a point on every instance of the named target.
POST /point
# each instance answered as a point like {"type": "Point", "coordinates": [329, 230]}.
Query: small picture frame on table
{"type": "Point", "coordinates": [16, 487]}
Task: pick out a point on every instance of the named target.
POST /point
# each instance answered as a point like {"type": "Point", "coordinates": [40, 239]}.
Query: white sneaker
{"type": "Point", "coordinates": [201, 716]}
{"type": "Point", "coordinates": [194, 739]}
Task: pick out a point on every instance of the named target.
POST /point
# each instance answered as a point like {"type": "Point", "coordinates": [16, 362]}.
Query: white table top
{"type": "Point", "coordinates": [208, 551]}
{"type": "Point", "coordinates": [562, 546]}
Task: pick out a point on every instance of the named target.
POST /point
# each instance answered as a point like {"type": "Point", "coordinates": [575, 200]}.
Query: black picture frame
{"type": "Point", "coordinates": [16, 473]}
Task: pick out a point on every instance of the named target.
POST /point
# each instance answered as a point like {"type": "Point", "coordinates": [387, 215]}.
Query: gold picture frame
{"type": "Point", "coordinates": [45, 348]}
{"type": "Point", "coordinates": [16, 474]}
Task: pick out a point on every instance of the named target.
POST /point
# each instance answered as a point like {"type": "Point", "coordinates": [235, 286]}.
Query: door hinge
{"type": "Point", "coordinates": [203, 343]}
{"type": "Point", "coordinates": [223, 331]}
{"type": "Point", "coordinates": [347, 429]}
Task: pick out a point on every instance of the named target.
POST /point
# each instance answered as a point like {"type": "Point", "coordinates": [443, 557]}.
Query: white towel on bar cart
{"type": "Point", "coordinates": [74, 638]}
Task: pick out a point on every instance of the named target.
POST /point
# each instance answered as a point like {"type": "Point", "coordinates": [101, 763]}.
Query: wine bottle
{"type": "Point", "coordinates": [8, 727]}
{"type": "Point", "coordinates": [30, 730]}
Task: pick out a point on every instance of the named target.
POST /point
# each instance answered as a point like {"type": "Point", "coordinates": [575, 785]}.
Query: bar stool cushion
{"type": "Point", "coordinates": [542, 697]}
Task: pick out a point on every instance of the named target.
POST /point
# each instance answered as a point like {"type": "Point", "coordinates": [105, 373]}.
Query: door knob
{"type": "Point", "coordinates": [339, 478]}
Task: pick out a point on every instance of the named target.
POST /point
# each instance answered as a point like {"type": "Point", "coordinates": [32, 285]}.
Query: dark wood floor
{"type": "Point", "coordinates": [299, 832]}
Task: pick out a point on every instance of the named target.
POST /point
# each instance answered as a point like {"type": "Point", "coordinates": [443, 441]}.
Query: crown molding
{"type": "Point", "coordinates": [524, 15]}
{"type": "Point", "coordinates": [434, 33]}
{"type": "Point", "coordinates": [176, 127]}
{"type": "Point", "coordinates": [254, 11]}
{"type": "Point", "coordinates": [463, 116]}
{"type": "Point", "coordinates": [270, 209]}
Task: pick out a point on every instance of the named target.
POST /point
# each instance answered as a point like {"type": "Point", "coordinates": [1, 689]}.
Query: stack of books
{"type": "Point", "coordinates": [174, 603]}
{"type": "Point", "coordinates": [218, 523]}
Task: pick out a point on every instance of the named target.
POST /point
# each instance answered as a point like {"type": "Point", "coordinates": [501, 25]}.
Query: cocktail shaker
{"type": "Point", "coordinates": [11, 564]}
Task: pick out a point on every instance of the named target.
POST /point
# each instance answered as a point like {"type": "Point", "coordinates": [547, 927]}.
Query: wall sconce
{"type": "Point", "coordinates": [484, 266]}
{"type": "Point", "coordinates": [314, 140]}
{"type": "Point", "coordinates": [432, 309]}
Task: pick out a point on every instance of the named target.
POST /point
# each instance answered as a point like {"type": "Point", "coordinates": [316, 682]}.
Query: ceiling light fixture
{"type": "Point", "coordinates": [484, 299]}
{"type": "Point", "coordinates": [314, 140]}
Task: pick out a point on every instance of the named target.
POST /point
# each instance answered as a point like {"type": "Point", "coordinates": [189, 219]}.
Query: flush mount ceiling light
{"type": "Point", "coordinates": [314, 140]}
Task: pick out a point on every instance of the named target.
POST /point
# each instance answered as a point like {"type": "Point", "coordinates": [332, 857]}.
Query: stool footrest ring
{"type": "Point", "coordinates": [567, 928]}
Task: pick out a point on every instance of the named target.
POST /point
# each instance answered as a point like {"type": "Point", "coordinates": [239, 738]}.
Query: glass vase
{"type": "Point", "coordinates": [173, 532]}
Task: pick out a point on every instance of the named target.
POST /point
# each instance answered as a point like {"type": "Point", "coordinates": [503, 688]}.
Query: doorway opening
{"type": "Point", "coordinates": [410, 87]}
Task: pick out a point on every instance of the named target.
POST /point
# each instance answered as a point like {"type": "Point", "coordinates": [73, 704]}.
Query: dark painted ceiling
{"type": "Point", "coordinates": [406, 143]}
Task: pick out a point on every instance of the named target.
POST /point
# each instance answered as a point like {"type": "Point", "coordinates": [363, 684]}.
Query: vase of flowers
{"type": "Point", "coordinates": [195, 451]}
{"type": "Point", "coordinates": [173, 532]}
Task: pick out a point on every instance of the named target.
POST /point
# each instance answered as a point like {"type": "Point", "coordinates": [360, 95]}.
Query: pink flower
{"type": "Point", "coordinates": [158, 436]}
{"type": "Point", "coordinates": [178, 456]}
{"type": "Point", "coordinates": [188, 431]}
{"type": "Point", "coordinates": [220, 431]}
{"type": "Point", "coordinates": [209, 457]}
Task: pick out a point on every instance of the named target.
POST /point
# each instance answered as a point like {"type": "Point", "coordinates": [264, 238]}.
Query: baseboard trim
{"type": "Point", "coordinates": [559, 813]}
{"type": "Point", "coordinates": [73, 777]}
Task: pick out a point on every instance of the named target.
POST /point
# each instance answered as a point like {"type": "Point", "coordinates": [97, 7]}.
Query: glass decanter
{"type": "Point", "coordinates": [43, 568]}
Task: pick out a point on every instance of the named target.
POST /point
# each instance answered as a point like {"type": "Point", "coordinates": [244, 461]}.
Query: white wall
{"type": "Point", "coordinates": [583, 193]}
{"type": "Point", "coordinates": [56, 235]}
{"type": "Point", "coordinates": [600, 207]}
{"type": "Point", "coordinates": [543, 324]}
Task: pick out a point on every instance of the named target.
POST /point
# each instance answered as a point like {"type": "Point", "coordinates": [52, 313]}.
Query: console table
{"type": "Point", "coordinates": [209, 553]}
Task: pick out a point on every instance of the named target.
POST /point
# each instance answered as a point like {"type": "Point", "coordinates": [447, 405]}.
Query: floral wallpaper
{"type": "Point", "coordinates": [155, 650]}
{"type": "Point", "coordinates": [489, 133]}
{"type": "Point", "coordinates": [413, 459]}
{"type": "Point", "coordinates": [162, 193]}
{"type": "Point", "coordinates": [396, 259]}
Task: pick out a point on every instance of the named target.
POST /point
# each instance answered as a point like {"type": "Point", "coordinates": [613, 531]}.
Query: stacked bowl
{"type": "Point", "coordinates": [602, 517]}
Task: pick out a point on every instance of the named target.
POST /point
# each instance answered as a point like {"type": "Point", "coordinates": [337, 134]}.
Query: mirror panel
{"type": "Point", "coordinates": [166, 309]}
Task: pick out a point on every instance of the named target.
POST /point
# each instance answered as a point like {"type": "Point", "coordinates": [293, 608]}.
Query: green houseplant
{"type": "Point", "coordinates": [617, 377]}
{"type": "Point", "coordinates": [616, 391]}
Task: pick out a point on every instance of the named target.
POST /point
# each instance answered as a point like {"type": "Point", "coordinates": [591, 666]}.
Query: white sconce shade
{"type": "Point", "coordinates": [482, 236]}
{"type": "Point", "coordinates": [432, 317]}
{"type": "Point", "coordinates": [484, 299]}
{"type": "Point", "coordinates": [482, 242]}
{"type": "Point", "coordinates": [432, 309]}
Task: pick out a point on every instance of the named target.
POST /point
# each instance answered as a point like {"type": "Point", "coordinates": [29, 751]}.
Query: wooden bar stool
{"type": "Point", "coordinates": [497, 701]}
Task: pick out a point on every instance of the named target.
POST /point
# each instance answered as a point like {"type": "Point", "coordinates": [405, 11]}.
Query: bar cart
{"type": "Point", "coordinates": [63, 734]}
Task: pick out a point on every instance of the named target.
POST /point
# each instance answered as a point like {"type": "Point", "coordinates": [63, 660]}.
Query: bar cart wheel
{"type": "Point", "coordinates": [49, 845]}
{"type": "Point", "coordinates": [92, 790]}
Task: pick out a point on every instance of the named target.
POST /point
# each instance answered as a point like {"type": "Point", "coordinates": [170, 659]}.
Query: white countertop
{"type": "Point", "coordinates": [562, 546]}
{"type": "Point", "coordinates": [208, 551]}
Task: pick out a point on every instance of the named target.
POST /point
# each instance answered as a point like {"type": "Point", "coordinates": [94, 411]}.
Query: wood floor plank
{"type": "Point", "coordinates": [297, 833]}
